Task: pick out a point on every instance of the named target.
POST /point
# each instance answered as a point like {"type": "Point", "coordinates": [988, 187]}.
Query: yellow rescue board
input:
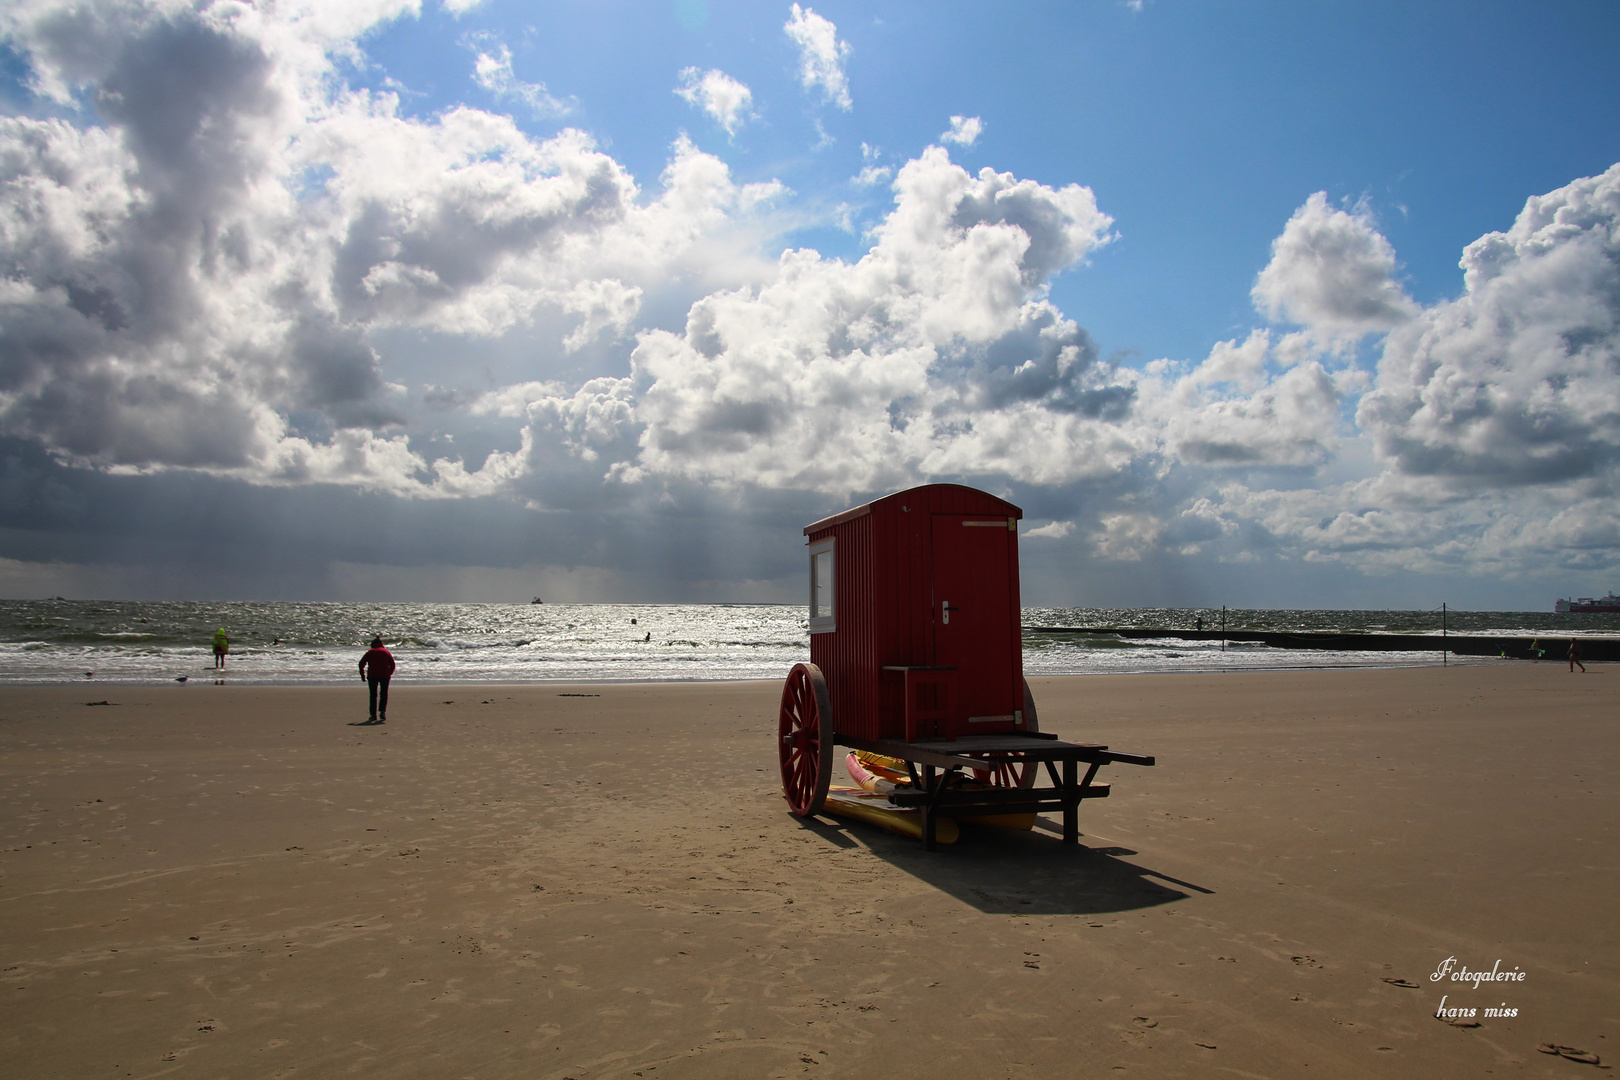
{"type": "Point", "coordinates": [876, 809]}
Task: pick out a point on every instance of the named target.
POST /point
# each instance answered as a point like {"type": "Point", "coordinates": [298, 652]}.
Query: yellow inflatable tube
{"type": "Point", "coordinates": [881, 775]}
{"type": "Point", "coordinates": [875, 809]}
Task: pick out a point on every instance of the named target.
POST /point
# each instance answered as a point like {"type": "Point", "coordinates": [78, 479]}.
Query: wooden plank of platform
{"type": "Point", "coordinates": [936, 798]}
{"type": "Point", "coordinates": [998, 800]}
{"type": "Point", "coordinates": [1008, 742]}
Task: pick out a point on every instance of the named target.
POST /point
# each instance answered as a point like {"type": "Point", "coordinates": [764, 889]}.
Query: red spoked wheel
{"type": "Point", "coordinates": [805, 740]}
{"type": "Point", "coordinates": [1020, 774]}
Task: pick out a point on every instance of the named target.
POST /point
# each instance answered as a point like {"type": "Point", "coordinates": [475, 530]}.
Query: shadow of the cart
{"type": "Point", "coordinates": [1011, 872]}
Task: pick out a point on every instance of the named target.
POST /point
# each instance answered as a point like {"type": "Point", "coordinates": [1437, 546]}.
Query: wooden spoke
{"type": "Point", "coordinates": [805, 740]}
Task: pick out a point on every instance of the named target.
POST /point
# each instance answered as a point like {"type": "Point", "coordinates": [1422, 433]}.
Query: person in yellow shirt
{"type": "Point", "coordinates": [222, 645]}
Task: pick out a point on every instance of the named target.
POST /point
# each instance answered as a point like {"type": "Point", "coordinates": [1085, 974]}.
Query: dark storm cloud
{"type": "Point", "coordinates": [281, 542]}
{"type": "Point", "coordinates": [401, 255]}
{"type": "Point", "coordinates": [192, 101]}
{"type": "Point", "coordinates": [129, 341]}
{"type": "Point", "coordinates": [1049, 360]}
{"type": "Point", "coordinates": [340, 374]}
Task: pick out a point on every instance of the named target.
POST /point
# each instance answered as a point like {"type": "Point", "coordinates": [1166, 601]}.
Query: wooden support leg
{"type": "Point", "coordinates": [1071, 804]}
{"type": "Point", "coordinates": [928, 818]}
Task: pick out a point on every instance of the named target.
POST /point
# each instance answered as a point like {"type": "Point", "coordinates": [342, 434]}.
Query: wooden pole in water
{"type": "Point", "coordinates": [1443, 635]}
{"type": "Point", "coordinates": [1223, 628]}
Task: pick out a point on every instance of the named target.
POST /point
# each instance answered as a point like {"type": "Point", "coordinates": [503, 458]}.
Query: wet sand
{"type": "Point", "coordinates": [524, 882]}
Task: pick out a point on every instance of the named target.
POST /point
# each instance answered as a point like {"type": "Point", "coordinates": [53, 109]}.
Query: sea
{"type": "Point", "coordinates": [128, 642]}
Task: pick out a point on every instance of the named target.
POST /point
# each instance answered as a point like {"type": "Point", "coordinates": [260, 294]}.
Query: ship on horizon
{"type": "Point", "coordinates": [1587, 606]}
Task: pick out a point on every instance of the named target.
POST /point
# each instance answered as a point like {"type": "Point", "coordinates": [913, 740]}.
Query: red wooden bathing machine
{"type": "Point", "coordinates": [914, 615]}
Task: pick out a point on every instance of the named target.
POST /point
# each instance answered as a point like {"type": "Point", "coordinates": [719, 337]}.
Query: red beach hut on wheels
{"type": "Point", "coordinates": [916, 654]}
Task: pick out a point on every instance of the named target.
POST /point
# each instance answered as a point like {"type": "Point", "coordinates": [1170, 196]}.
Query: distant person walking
{"type": "Point", "coordinates": [376, 668]}
{"type": "Point", "coordinates": [222, 645]}
{"type": "Point", "coordinates": [1575, 656]}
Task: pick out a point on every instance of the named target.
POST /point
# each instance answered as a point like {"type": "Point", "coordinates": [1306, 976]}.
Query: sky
{"type": "Point", "coordinates": [1260, 304]}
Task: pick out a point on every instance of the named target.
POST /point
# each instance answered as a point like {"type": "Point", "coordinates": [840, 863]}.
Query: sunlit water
{"type": "Point", "coordinates": [87, 641]}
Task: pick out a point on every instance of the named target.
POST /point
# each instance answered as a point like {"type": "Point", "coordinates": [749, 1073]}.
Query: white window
{"type": "Point", "coordinates": [821, 587]}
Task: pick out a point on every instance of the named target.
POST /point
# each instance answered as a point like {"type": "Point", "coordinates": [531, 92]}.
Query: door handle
{"type": "Point", "coordinates": [945, 610]}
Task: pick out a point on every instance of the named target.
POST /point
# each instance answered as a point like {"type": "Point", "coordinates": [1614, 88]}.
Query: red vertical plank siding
{"type": "Point", "coordinates": [884, 603]}
{"type": "Point", "coordinates": [857, 661]}
{"type": "Point", "coordinates": [1016, 605]}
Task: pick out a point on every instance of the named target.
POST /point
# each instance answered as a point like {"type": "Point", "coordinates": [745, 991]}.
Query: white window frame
{"type": "Point", "coordinates": [823, 622]}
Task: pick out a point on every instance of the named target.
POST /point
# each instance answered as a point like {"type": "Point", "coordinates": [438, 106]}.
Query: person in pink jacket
{"type": "Point", "coordinates": [376, 668]}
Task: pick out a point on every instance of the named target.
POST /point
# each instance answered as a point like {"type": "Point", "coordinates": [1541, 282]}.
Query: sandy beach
{"type": "Point", "coordinates": [602, 881]}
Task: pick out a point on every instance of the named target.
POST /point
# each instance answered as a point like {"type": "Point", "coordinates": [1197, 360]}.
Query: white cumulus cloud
{"type": "Point", "coordinates": [1332, 272]}
{"type": "Point", "coordinates": [207, 269]}
{"type": "Point", "coordinates": [821, 55]}
{"type": "Point", "coordinates": [1249, 403]}
{"type": "Point", "coordinates": [964, 131]}
{"type": "Point", "coordinates": [493, 71]}
{"type": "Point", "coordinates": [872, 173]}
{"type": "Point", "coordinates": [728, 102]}
{"type": "Point", "coordinates": [1517, 381]}
{"type": "Point", "coordinates": [194, 276]}
{"type": "Point", "coordinates": [932, 354]}
{"type": "Point", "coordinates": [1490, 430]}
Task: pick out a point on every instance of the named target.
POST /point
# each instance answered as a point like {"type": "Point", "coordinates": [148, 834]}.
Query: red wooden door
{"type": "Point", "coordinates": [976, 617]}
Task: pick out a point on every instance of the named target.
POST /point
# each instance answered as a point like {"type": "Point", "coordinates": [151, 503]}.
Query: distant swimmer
{"type": "Point", "coordinates": [222, 645]}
